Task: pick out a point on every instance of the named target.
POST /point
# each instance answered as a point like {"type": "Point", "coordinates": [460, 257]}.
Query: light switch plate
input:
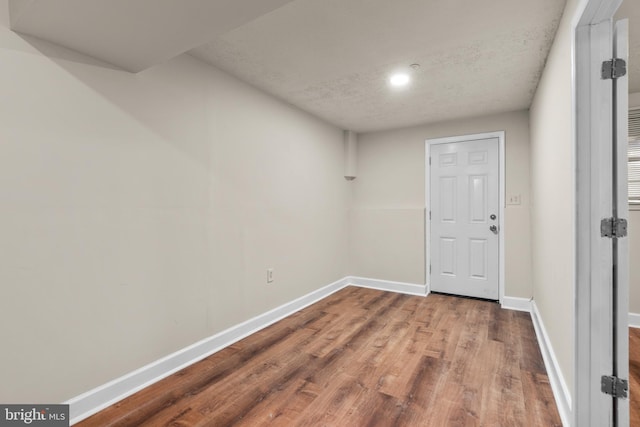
{"type": "Point", "coordinates": [514, 199]}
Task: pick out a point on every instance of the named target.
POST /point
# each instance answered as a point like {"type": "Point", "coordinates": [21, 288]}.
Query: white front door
{"type": "Point", "coordinates": [465, 224]}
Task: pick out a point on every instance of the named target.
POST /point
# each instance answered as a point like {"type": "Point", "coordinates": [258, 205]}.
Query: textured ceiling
{"type": "Point", "coordinates": [332, 58]}
{"type": "Point", "coordinates": [631, 9]}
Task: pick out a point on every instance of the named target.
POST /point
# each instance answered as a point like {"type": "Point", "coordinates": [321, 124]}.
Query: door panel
{"type": "Point", "coordinates": [450, 159]}
{"type": "Point", "coordinates": [478, 199]}
{"type": "Point", "coordinates": [464, 186]}
{"type": "Point", "coordinates": [478, 158]}
{"type": "Point", "coordinates": [448, 256]}
{"type": "Point", "coordinates": [478, 258]}
{"type": "Point", "coordinates": [448, 199]}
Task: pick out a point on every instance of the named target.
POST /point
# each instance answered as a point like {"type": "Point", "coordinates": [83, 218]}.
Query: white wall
{"type": "Point", "coordinates": [552, 196]}
{"type": "Point", "coordinates": [138, 213]}
{"type": "Point", "coordinates": [387, 224]}
{"type": "Point", "coordinates": [634, 241]}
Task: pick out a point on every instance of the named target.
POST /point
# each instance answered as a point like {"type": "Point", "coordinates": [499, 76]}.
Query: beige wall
{"type": "Point", "coordinates": [634, 242]}
{"type": "Point", "coordinates": [139, 213]}
{"type": "Point", "coordinates": [552, 195]}
{"type": "Point", "coordinates": [387, 224]}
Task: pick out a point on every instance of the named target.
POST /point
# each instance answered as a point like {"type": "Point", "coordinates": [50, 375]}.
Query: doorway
{"type": "Point", "coordinates": [465, 215]}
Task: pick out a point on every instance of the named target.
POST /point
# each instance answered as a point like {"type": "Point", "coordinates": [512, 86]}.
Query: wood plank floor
{"type": "Point", "coordinates": [634, 376]}
{"type": "Point", "coordinates": [362, 357]}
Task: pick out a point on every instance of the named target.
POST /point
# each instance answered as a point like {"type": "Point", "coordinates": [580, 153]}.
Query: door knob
{"type": "Point", "coordinates": [494, 229]}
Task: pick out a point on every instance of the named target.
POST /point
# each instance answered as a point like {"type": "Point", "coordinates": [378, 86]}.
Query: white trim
{"type": "Point", "coordinates": [387, 285]}
{"type": "Point", "coordinates": [502, 199]}
{"type": "Point", "coordinates": [634, 320]}
{"type": "Point", "coordinates": [105, 395]}
{"type": "Point", "coordinates": [556, 379]}
{"type": "Point", "coordinates": [516, 303]}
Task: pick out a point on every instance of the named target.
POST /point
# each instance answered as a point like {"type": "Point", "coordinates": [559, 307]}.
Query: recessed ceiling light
{"type": "Point", "coordinates": [399, 79]}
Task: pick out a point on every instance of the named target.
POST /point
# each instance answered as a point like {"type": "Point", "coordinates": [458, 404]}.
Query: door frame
{"type": "Point", "coordinates": [501, 197]}
{"type": "Point", "coordinates": [592, 43]}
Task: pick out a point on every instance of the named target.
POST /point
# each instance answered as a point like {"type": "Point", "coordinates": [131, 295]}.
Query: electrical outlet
{"type": "Point", "coordinates": [269, 275]}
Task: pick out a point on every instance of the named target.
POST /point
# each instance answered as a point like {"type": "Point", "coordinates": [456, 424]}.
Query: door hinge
{"type": "Point", "coordinates": [429, 214]}
{"type": "Point", "coordinates": [614, 386]}
{"type": "Point", "coordinates": [614, 69]}
{"type": "Point", "coordinates": [613, 227]}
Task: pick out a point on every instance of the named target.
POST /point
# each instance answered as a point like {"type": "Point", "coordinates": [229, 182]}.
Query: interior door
{"type": "Point", "coordinates": [620, 291]}
{"type": "Point", "coordinates": [601, 286]}
{"type": "Point", "coordinates": [464, 210]}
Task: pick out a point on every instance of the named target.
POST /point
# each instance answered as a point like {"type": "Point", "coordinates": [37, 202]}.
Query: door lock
{"type": "Point", "coordinates": [492, 216]}
{"type": "Point", "coordinates": [494, 229]}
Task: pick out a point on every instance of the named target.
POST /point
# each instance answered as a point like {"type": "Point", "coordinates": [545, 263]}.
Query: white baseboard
{"type": "Point", "coordinates": [634, 320]}
{"type": "Point", "coordinates": [386, 285]}
{"type": "Point", "coordinates": [101, 397]}
{"type": "Point", "coordinates": [558, 384]}
{"type": "Point", "coordinates": [95, 400]}
{"type": "Point", "coordinates": [515, 303]}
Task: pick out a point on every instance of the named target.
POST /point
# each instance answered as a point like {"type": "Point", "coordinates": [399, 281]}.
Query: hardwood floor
{"type": "Point", "coordinates": [634, 376]}
{"type": "Point", "coordinates": [362, 357]}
